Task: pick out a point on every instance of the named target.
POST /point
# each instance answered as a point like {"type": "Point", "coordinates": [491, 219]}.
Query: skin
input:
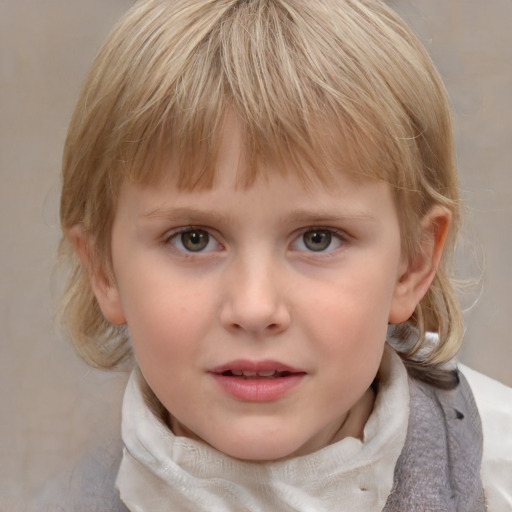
{"type": "Point", "coordinates": [260, 290]}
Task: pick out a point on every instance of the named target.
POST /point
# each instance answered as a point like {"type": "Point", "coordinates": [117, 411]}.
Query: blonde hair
{"type": "Point", "coordinates": [326, 86]}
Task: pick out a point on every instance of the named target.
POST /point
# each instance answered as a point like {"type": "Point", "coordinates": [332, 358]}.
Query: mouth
{"type": "Point", "coordinates": [245, 369]}
{"type": "Point", "coordinates": [264, 381]}
{"type": "Point", "coordinates": [265, 374]}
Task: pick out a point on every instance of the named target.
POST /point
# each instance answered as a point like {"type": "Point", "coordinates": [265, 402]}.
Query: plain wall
{"type": "Point", "coordinates": [52, 406]}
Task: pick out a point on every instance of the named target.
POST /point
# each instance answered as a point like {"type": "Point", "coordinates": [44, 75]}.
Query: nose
{"type": "Point", "coordinates": [255, 299]}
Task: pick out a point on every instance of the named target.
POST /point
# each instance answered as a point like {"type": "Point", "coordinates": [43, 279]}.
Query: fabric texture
{"type": "Point", "coordinates": [439, 467]}
{"type": "Point", "coordinates": [494, 401]}
{"type": "Point", "coordinates": [162, 472]}
{"type": "Point", "coordinates": [90, 486]}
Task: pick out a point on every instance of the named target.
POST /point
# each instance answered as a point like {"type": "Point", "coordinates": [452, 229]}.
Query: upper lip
{"type": "Point", "coordinates": [247, 367]}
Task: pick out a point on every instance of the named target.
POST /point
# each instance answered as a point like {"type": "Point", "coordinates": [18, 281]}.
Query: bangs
{"type": "Point", "coordinates": [272, 68]}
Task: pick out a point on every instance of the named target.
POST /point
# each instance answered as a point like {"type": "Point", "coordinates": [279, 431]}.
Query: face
{"type": "Point", "coordinates": [258, 316]}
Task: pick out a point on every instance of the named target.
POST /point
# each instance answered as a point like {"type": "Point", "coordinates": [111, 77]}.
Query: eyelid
{"type": "Point", "coordinates": [181, 229]}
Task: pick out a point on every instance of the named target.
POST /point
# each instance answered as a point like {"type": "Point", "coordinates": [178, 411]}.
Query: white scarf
{"type": "Point", "coordinates": [161, 472]}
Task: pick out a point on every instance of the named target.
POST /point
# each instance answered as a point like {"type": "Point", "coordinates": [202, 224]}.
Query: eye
{"type": "Point", "coordinates": [194, 240]}
{"type": "Point", "coordinates": [318, 240]}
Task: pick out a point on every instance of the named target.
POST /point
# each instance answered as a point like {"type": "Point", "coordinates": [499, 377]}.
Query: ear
{"type": "Point", "coordinates": [103, 286]}
{"type": "Point", "coordinates": [416, 274]}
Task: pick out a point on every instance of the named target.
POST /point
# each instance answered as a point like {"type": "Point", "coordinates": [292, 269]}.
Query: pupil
{"type": "Point", "coordinates": [195, 240]}
{"type": "Point", "coordinates": [317, 240]}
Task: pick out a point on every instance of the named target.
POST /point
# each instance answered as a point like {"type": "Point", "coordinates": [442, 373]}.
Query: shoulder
{"type": "Point", "coordinates": [88, 486]}
{"type": "Point", "coordinates": [494, 403]}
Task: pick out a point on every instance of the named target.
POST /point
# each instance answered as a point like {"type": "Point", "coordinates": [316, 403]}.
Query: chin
{"type": "Point", "coordinates": [264, 454]}
{"type": "Point", "coordinates": [261, 450]}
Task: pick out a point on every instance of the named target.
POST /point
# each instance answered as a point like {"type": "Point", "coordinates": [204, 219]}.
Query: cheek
{"type": "Point", "coordinates": [354, 305]}
{"type": "Point", "coordinates": [350, 318]}
{"type": "Point", "coordinates": [166, 321]}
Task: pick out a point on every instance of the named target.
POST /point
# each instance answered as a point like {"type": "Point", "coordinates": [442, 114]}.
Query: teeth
{"type": "Point", "coordinates": [252, 374]}
{"type": "Point", "coordinates": [269, 373]}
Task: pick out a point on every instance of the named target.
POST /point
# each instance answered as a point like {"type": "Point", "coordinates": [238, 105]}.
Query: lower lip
{"type": "Point", "coordinates": [260, 389]}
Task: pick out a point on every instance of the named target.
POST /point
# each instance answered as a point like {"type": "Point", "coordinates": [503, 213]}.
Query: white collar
{"type": "Point", "coordinates": [163, 472]}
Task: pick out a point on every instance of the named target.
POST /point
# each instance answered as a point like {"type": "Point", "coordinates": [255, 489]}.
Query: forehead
{"type": "Point", "coordinates": [231, 158]}
{"type": "Point", "coordinates": [274, 186]}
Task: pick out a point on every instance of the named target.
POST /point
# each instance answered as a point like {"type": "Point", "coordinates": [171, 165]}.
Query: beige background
{"type": "Point", "coordinates": [52, 406]}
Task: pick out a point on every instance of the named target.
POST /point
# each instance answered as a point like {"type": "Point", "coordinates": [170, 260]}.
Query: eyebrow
{"type": "Point", "coordinates": [189, 215]}
{"type": "Point", "coordinates": [317, 216]}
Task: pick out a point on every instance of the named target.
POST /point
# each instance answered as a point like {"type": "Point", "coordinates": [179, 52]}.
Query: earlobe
{"type": "Point", "coordinates": [103, 286]}
{"type": "Point", "coordinates": [417, 274]}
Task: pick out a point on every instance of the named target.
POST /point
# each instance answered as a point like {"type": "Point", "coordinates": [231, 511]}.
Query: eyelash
{"type": "Point", "coordinates": [335, 236]}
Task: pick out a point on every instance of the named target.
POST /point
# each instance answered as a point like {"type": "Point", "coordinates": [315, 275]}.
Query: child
{"type": "Point", "coordinates": [263, 199]}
